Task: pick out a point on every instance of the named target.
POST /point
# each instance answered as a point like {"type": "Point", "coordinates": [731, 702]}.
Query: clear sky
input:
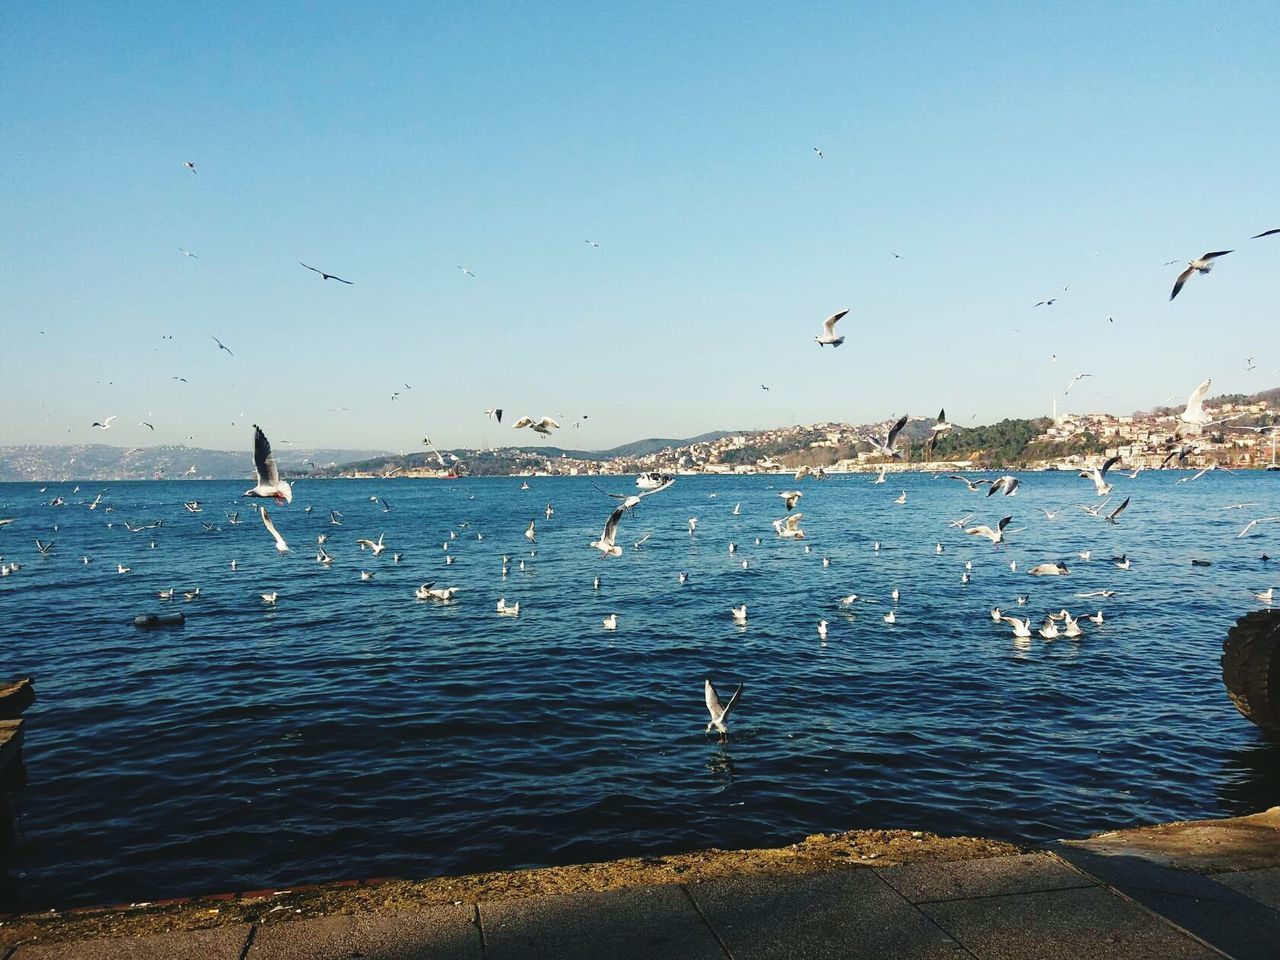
{"type": "Point", "coordinates": [1005, 150]}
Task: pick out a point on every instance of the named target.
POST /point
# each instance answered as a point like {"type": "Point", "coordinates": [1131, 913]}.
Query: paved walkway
{"type": "Point", "coordinates": [1072, 903]}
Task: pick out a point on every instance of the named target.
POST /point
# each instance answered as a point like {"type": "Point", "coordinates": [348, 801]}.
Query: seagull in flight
{"type": "Point", "coordinates": [467, 272]}
{"type": "Point", "coordinates": [1046, 303]}
{"type": "Point", "coordinates": [996, 535]}
{"type": "Point", "coordinates": [973, 485]}
{"type": "Point", "coordinates": [1111, 517]}
{"type": "Point", "coordinates": [1074, 380]}
{"type": "Point", "coordinates": [1253, 523]}
{"type": "Point", "coordinates": [829, 331]}
{"type": "Point", "coordinates": [606, 544]}
{"type": "Point", "coordinates": [1265, 233]}
{"type": "Point", "coordinates": [328, 276]}
{"type": "Point", "coordinates": [1201, 265]}
{"type": "Point", "coordinates": [887, 449]}
{"type": "Point", "coordinates": [1098, 476]}
{"type": "Point", "coordinates": [189, 165]}
{"type": "Point", "coordinates": [187, 253]}
{"type": "Point", "coordinates": [818, 152]}
{"type": "Point", "coordinates": [495, 412]}
{"type": "Point", "coordinates": [104, 424]}
{"type": "Point", "coordinates": [592, 243]}
{"type": "Point", "coordinates": [719, 712]}
{"type": "Point", "coordinates": [1006, 485]}
{"type": "Point", "coordinates": [939, 427]}
{"type": "Point", "coordinates": [269, 483]}
{"type": "Point", "coordinates": [222, 346]}
{"type": "Point", "coordinates": [543, 426]}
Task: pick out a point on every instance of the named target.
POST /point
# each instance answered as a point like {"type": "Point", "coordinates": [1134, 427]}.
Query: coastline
{"type": "Point", "coordinates": [1209, 847]}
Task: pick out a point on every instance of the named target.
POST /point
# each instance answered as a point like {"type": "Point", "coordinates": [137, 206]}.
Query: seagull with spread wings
{"type": "Point", "coordinates": [1202, 264]}
{"type": "Point", "coordinates": [829, 337]}
{"type": "Point", "coordinates": [719, 712]}
{"type": "Point", "coordinates": [328, 276]}
{"type": "Point", "coordinates": [222, 346]}
{"type": "Point", "coordinates": [887, 448]}
{"type": "Point", "coordinates": [606, 544]}
{"type": "Point", "coordinates": [1099, 476]}
{"type": "Point", "coordinates": [543, 426]}
{"type": "Point", "coordinates": [271, 529]}
{"type": "Point", "coordinates": [269, 483]}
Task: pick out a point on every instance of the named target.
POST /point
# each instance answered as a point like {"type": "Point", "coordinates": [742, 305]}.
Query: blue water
{"type": "Point", "coordinates": [352, 730]}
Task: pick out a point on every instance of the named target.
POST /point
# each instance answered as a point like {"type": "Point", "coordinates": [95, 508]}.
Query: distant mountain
{"type": "Point", "coordinates": [98, 461]}
{"type": "Point", "coordinates": [508, 459]}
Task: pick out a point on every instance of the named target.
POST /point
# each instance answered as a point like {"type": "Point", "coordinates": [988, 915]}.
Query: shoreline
{"type": "Point", "coordinates": [1207, 847]}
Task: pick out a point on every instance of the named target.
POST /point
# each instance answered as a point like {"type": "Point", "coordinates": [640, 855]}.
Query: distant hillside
{"type": "Point", "coordinates": [513, 459]}
{"type": "Point", "coordinates": [98, 461]}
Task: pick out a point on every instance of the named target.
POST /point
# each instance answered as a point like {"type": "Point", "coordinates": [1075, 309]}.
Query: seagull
{"type": "Point", "coordinates": [719, 712]}
{"type": "Point", "coordinates": [105, 424]}
{"type": "Point", "coordinates": [269, 483]}
{"type": "Point", "coordinates": [472, 276]}
{"type": "Point", "coordinates": [429, 591]}
{"type": "Point", "coordinates": [693, 525]}
{"type": "Point", "coordinates": [271, 529]}
{"type": "Point", "coordinates": [1006, 485]}
{"type": "Point", "coordinates": [606, 544]}
{"type": "Point", "coordinates": [1074, 380]}
{"type": "Point", "coordinates": [189, 165]}
{"type": "Point", "coordinates": [996, 535]}
{"type": "Point", "coordinates": [592, 243]}
{"type": "Point", "coordinates": [495, 412]}
{"type": "Point", "coordinates": [790, 498]}
{"type": "Point", "coordinates": [1266, 595]}
{"type": "Point", "coordinates": [880, 477]}
{"type": "Point", "coordinates": [1098, 476]}
{"type": "Point", "coordinates": [376, 546]}
{"type": "Point", "coordinates": [222, 346]}
{"type": "Point", "coordinates": [187, 253]}
{"type": "Point", "coordinates": [789, 527]}
{"type": "Point", "coordinates": [166, 594]}
{"type": "Point", "coordinates": [1202, 265]}
{"type": "Point", "coordinates": [822, 629]}
{"type": "Point", "coordinates": [1253, 523]}
{"type": "Point", "coordinates": [1021, 628]}
{"type": "Point", "coordinates": [973, 485]}
{"type": "Point", "coordinates": [829, 331]}
{"type": "Point", "coordinates": [1122, 562]}
{"type": "Point", "coordinates": [335, 518]}
{"type": "Point", "coordinates": [508, 609]}
{"type": "Point", "coordinates": [1049, 631]}
{"type": "Point", "coordinates": [887, 449]}
{"type": "Point", "coordinates": [818, 152]}
{"type": "Point", "coordinates": [323, 556]}
{"type": "Point", "coordinates": [901, 498]}
{"type": "Point", "coordinates": [1194, 414]}
{"type": "Point", "coordinates": [1265, 233]}
{"type": "Point", "coordinates": [610, 622]}
{"type": "Point", "coordinates": [1046, 303]}
{"type": "Point", "coordinates": [271, 597]}
{"type": "Point", "coordinates": [1111, 517]}
{"type": "Point", "coordinates": [890, 617]}
{"type": "Point", "coordinates": [1096, 618]}
{"type": "Point", "coordinates": [327, 276]}
{"type": "Point", "coordinates": [543, 426]}
{"type": "Point", "coordinates": [1055, 569]}
{"type": "Point", "coordinates": [531, 534]}
{"type": "Point", "coordinates": [961, 521]}
{"type": "Point", "coordinates": [1050, 514]}
{"type": "Point", "coordinates": [45, 548]}
{"type": "Point", "coordinates": [737, 508]}
{"type": "Point", "coordinates": [940, 427]}
{"type": "Point", "coordinates": [366, 575]}
{"type": "Point", "coordinates": [739, 614]}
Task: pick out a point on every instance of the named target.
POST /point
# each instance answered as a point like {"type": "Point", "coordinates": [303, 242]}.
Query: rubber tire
{"type": "Point", "coordinates": [1251, 668]}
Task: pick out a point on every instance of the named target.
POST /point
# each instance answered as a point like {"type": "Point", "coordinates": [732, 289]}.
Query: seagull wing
{"type": "Point", "coordinates": [1195, 402]}
{"type": "Point", "coordinates": [829, 324]}
{"type": "Point", "coordinates": [714, 707]}
{"type": "Point", "coordinates": [313, 269]}
{"type": "Point", "coordinates": [271, 529]}
{"type": "Point", "coordinates": [1182, 278]}
{"type": "Point", "coordinates": [1265, 233]}
{"type": "Point", "coordinates": [263, 462]}
{"type": "Point", "coordinates": [658, 489]}
{"type": "Point", "coordinates": [894, 431]}
{"type": "Point", "coordinates": [548, 422]}
{"type": "Point", "coordinates": [1111, 518]}
{"type": "Point", "coordinates": [611, 527]}
{"type": "Point", "coordinates": [522, 422]}
{"type": "Point", "coordinates": [1107, 466]}
{"type": "Point", "coordinates": [1216, 253]}
{"type": "Point", "coordinates": [733, 702]}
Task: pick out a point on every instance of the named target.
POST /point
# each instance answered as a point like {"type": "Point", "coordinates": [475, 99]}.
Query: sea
{"type": "Point", "coordinates": [351, 730]}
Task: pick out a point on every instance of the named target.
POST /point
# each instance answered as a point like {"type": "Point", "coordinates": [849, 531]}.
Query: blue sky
{"type": "Point", "coordinates": [1005, 151]}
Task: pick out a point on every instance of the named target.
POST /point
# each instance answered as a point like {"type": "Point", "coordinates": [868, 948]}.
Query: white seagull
{"type": "Point", "coordinates": [269, 483]}
{"type": "Point", "coordinates": [829, 331]}
{"type": "Point", "coordinates": [1099, 474]}
{"type": "Point", "coordinates": [719, 712]}
{"type": "Point", "coordinates": [543, 426]}
{"type": "Point", "coordinates": [104, 424]}
{"type": "Point", "coordinates": [1202, 264]}
{"type": "Point", "coordinates": [791, 497]}
{"type": "Point", "coordinates": [996, 535]}
{"type": "Point", "coordinates": [887, 448]}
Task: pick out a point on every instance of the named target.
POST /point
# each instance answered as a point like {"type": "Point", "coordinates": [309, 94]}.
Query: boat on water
{"type": "Point", "coordinates": [651, 481]}
{"type": "Point", "coordinates": [1273, 465]}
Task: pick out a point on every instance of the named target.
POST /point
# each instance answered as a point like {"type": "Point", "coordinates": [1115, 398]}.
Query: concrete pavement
{"type": "Point", "coordinates": [1068, 903]}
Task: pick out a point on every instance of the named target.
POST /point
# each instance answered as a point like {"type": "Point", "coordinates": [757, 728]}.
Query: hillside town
{"type": "Point", "coordinates": [1238, 435]}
